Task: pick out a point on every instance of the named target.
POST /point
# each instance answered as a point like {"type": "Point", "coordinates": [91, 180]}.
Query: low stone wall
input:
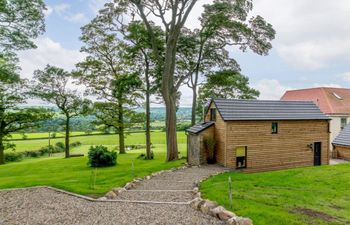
{"type": "Point", "coordinates": [213, 209]}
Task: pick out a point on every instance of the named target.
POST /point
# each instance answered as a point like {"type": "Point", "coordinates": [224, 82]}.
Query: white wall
{"type": "Point", "coordinates": [335, 127]}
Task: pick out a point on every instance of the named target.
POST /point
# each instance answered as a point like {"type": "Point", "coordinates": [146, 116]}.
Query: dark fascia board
{"type": "Point", "coordinates": [212, 101]}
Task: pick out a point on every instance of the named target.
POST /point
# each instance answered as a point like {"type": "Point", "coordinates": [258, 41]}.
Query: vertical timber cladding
{"type": "Point", "coordinates": [219, 135]}
{"type": "Point", "coordinates": [289, 148]}
{"type": "Point", "coordinates": [343, 152]}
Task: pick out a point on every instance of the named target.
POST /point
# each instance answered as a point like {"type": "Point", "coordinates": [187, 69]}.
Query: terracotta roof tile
{"type": "Point", "coordinates": [329, 100]}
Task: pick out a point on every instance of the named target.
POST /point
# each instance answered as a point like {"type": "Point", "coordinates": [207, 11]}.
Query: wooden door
{"type": "Point", "coordinates": [317, 153]}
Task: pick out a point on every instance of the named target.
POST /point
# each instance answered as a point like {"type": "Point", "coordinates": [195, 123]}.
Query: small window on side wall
{"type": "Point", "coordinates": [241, 157]}
{"type": "Point", "coordinates": [343, 123]}
{"type": "Point", "coordinates": [213, 114]}
{"type": "Point", "coordinates": [274, 128]}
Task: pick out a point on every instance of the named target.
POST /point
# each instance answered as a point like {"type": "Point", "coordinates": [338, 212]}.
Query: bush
{"type": "Point", "coordinates": [13, 156]}
{"type": "Point", "coordinates": [33, 154]}
{"type": "Point", "coordinates": [143, 156]}
{"type": "Point", "coordinates": [59, 147]}
{"type": "Point", "coordinates": [99, 156]}
{"type": "Point", "coordinates": [75, 144]}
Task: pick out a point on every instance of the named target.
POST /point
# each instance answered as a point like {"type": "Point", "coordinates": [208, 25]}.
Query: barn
{"type": "Point", "coordinates": [256, 135]}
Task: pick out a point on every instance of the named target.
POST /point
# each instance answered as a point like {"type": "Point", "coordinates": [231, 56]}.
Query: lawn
{"type": "Point", "coordinates": [314, 195]}
{"type": "Point", "coordinates": [74, 175]}
{"type": "Point", "coordinates": [158, 137]}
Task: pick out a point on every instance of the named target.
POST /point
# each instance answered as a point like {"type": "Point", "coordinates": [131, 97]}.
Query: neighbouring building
{"type": "Point", "coordinates": [342, 144]}
{"type": "Point", "coordinates": [261, 135]}
{"type": "Point", "coordinates": [334, 102]}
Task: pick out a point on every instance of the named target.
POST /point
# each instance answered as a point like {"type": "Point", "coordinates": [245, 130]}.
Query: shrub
{"type": "Point", "coordinates": [143, 156]}
{"type": "Point", "coordinates": [75, 144]}
{"type": "Point", "coordinates": [33, 154]}
{"type": "Point", "coordinates": [99, 156]}
{"type": "Point", "coordinates": [13, 156]}
{"type": "Point", "coordinates": [59, 146]}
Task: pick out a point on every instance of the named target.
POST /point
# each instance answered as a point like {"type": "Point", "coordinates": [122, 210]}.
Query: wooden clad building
{"type": "Point", "coordinates": [342, 144]}
{"type": "Point", "coordinates": [261, 135]}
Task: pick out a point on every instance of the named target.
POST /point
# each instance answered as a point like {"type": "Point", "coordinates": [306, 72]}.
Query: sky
{"type": "Point", "coordinates": [311, 49]}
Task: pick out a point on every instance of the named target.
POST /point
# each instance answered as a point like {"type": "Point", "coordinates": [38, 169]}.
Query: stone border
{"type": "Point", "coordinates": [93, 199]}
{"type": "Point", "coordinates": [213, 209]}
{"type": "Point", "coordinates": [113, 194]}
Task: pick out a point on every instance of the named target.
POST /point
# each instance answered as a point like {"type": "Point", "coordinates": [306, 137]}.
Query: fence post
{"type": "Point", "coordinates": [132, 169]}
{"type": "Point", "coordinates": [230, 190]}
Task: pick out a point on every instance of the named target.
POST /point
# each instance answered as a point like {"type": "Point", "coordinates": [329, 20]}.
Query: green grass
{"type": "Point", "coordinates": [283, 197]}
{"type": "Point", "coordinates": [74, 175]}
{"type": "Point", "coordinates": [158, 137]}
{"type": "Point", "coordinates": [46, 135]}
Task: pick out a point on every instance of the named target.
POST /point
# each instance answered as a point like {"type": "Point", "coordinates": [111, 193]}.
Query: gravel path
{"type": "Point", "coordinates": [47, 206]}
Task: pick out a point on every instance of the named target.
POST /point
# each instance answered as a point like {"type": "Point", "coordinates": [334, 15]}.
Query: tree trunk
{"type": "Point", "coordinates": [2, 149]}
{"type": "Point", "coordinates": [121, 127]}
{"type": "Point", "coordinates": [194, 104]}
{"type": "Point", "coordinates": [148, 114]}
{"type": "Point", "coordinates": [171, 137]}
{"type": "Point", "coordinates": [169, 96]}
{"type": "Point", "coordinates": [67, 136]}
{"type": "Point", "coordinates": [195, 84]}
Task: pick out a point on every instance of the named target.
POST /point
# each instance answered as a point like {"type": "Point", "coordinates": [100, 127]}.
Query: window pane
{"type": "Point", "coordinates": [240, 151]}
{"type": "Point", "coordinates": [274, 128]}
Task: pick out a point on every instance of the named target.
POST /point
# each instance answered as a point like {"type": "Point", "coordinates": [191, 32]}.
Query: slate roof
{"type": "Point", "coordinates": [232, 109]}
{"type": "Point", "coordinates": [329, 100]}
{"type": "Point", "coordinates": [200, 127]}
{"type": "Point", "coordinates": [343, 138]}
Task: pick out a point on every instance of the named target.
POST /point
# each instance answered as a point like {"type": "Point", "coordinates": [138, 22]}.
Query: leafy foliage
{"type": "Point", "coordinates": [20, 22]}
{"type": "Point", "coordinates": [14, 118]}
{"type": "Point", "coordinates": [99, 156]}
{"type": "Point", "coordinates": [228, 84]}
{"type": "Point", "coordinates": [52, 85]}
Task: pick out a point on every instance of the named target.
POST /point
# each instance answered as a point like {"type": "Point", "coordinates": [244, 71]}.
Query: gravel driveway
{"type": "Point", "coordinates": [47, 206]}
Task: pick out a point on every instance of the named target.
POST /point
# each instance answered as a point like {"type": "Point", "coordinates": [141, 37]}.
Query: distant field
{"type": "Point", "coordinates": [46, 135]}
{"type": "Point", "coordinates": [157, 137]}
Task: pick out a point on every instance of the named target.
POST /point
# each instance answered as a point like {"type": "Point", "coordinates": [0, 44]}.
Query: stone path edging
{"type": "Point", "coordinates": [213, 209]}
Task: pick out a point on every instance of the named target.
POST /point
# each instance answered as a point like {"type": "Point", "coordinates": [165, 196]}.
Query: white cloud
{"type": "Point", "coordinates": [270, 89]}
{"type": "Point", "coordinates": [310, 35]}
{"type": "Point", "coordinates": [61, 8]}
{"type": "Point", "coordinates": [76, 18]}
{"type": "Point", "coordinates": [96, 5]}
{"type": "Point", "coordinates": [48, 52]}
{"type": "Point", "coordinates": [345, 76]}
{"type": "Point", "coordinates": [327, 85]}
{"type": "Point", "coordinates": [48, 11]}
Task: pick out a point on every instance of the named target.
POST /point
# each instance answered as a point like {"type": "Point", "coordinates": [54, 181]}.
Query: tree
{"type": "Point", "coordinates": [21, 21]}
{"type": "Point", "coordinates": [226, 23]}
{"type": "Point", "coordinates": [166, 60]}
{"type": "Point", "coordinates": [140, 52]}
{"type": "Point", "coordinates": [228, 84]}
{"type": "Point", "coordinates": [14, 118]}
{"type": "Point", "coordinates": [173, 16]}
{"type": "Point", "coordinates": [109, 75]}
{"type": "Point", "coordinates": [52, 86]}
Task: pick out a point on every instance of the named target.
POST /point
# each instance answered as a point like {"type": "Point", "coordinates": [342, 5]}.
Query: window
{"type": "Point", "coordinates": [213, 114]}
{"type": "Point", "coordinates": [241, 157]}
{"type": "Point", "coordinates": [343, 123]}
{"type": "Point", "coordinates": [274, 128]}
{"type": "Point", "coordinates": [337, 96]}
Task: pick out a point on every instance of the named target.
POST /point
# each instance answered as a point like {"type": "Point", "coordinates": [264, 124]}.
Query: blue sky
{"type": "Point", "coordinates": [312, 46]}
